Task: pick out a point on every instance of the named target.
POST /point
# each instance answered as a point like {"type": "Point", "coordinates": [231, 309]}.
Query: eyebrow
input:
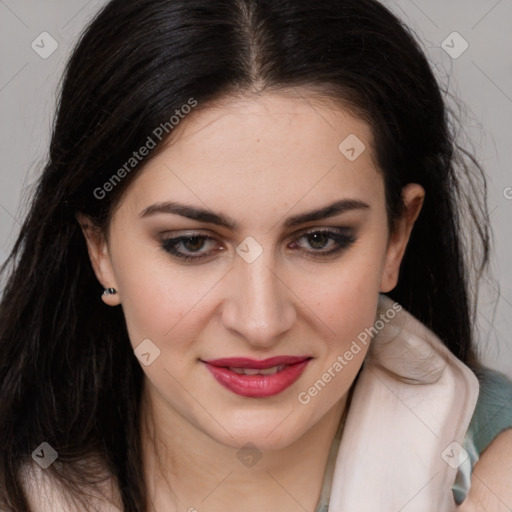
{"type": "Point", "coordinates": [208, 216]}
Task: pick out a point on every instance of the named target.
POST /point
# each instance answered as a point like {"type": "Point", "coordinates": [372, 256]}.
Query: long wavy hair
{"type": "Point", "coordinates": [68, 374]}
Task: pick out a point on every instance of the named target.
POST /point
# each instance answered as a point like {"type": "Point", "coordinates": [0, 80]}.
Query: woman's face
{"type": "Point", "coordinates": [254, 234]}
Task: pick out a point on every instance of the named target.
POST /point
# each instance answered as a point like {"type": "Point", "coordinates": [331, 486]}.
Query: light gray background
{"type": "Point", "coordinates": [481, 77]}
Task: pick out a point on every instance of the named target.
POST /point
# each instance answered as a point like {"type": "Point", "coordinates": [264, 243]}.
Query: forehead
{"type": "Point", "coordinates": [264, 148]}
{"type": "Point", "coordinates": [256, 122]}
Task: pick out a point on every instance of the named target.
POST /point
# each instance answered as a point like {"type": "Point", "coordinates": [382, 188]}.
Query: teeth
{"type": "Point", "coordinates": [271, 371]}
{"type": "Point", "coordinates": [237, 370]}
{"type": "Point", "coordinates": [249, 371]}
{"type": "Point", "coordinates": [252, 371]}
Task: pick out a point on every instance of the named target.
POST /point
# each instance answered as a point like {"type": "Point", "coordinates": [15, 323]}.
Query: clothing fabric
{"type": "Point", "coordinates": [476, 409]}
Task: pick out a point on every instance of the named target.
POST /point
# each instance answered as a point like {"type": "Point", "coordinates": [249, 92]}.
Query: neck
{"type": "Point", "coordinates": [185, 469]}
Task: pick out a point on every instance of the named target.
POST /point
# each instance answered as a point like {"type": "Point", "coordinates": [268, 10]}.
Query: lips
{"type": "Point", "coordinates": [244, 362]}
{"type": "Point", "coordinates": [257, 378]}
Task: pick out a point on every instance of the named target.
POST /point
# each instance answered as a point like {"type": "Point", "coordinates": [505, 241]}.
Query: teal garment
{"type": "Point", "coordinates": [492, 415]}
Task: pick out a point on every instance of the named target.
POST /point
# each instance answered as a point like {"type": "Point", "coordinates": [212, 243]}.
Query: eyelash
{"type": "Point", "coordinates": [342, 238]}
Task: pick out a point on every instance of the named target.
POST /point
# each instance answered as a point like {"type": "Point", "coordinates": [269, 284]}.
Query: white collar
{"type": "Point", "coordinates": [409, 413]}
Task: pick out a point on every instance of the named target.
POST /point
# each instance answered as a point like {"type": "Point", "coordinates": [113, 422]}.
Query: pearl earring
{"type": "Point", "coordinates": [109, 291]}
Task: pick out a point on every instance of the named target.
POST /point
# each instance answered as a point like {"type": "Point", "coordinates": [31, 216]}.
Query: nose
{"type": "Point", "coordinates": [259, 306]}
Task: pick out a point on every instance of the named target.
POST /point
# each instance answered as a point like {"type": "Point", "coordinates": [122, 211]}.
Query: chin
{"type": "Point", "coordinates": [267, 431]}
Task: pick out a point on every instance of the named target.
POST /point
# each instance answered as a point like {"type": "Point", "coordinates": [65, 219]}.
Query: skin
{"type": "Point", "coordinates": [490, 481]}
{"type": "Point", "coordinates": [258, 160]}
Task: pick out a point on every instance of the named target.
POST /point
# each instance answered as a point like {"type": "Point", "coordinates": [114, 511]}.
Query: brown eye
{"type": "Point", "coordinates": [194, 243]}
{"type": "Point", "coordinates": [318, 240]}
{"type": "Point", "coordinates": [190, 247]}
{"type": "Point", "coordinates": [323, 243]}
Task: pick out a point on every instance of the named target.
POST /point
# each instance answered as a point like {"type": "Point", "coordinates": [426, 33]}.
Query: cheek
{"type": "Point", "coordinates": [156, 300]}
{"type": "Point", "coordinates": [349, 309]}
{"type": "Point", "coordinates": [348, 294]}
{"type": "Point", "coordinates": [346, 300]}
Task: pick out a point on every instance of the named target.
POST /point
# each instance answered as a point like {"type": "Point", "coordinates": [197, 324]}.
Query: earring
{"type": "Point", "coordinates": [109, 291]}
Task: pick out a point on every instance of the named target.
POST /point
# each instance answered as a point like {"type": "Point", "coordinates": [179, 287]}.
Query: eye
{"type": "Point", "coordinates": [323, 243]}
{"type": "Point", "coordinates": [190, 247]}
{"type": "Point", "coordinates": [194, 247]}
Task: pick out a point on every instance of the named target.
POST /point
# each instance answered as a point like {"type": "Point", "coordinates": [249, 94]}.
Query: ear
{"type": "Point", "coordinates": [413, 196]}
{"type": "Point", "coordinates": [97, 247]}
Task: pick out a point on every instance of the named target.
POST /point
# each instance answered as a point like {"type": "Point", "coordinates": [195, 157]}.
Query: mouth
{"type": "Point", "coordinates": [257, 378]}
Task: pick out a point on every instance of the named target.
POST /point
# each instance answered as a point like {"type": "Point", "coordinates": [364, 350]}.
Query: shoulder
{"type": "Point", "coordinates": [45, 493]}
{"type": "Point", "coordinates": [489, 442]}
{"type": "Point", "coordinates": [490, 480]}
{"type": "Point", "coordinates": [493, 412]}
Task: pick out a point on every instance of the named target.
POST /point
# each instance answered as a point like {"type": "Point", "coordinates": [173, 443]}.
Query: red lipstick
{"type": "Point", "coordinates": [257, 378]}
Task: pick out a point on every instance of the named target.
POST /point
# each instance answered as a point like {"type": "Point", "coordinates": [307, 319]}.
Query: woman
{"type": "Point", "coordinates": [264, 195]}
